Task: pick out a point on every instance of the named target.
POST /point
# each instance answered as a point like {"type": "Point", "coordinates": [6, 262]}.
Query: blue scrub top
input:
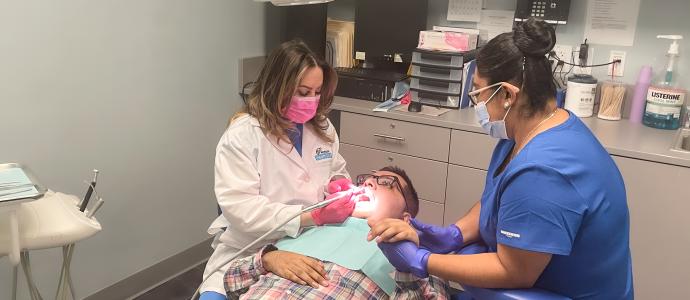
{"type": "Point", "coordinates": [563, 195]}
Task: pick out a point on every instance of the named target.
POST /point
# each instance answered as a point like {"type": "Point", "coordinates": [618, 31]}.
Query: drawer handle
{"type": "Point", "coordinates": [389, 137]}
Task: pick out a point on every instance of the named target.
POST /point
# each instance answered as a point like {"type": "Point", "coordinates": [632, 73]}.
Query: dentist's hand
{"type": "Point", "coordinates": [295, 267]}
{"type": "Point", "coordinates": [335, 212]}
{"type": "Point", "coordinates": [438, 239]}
{"type": "Point", "coordinates": [392, 230]}
{"type": "Point", "coordinates": [406, 257]}
{"type": "Point", "coordinates": [339, 185]}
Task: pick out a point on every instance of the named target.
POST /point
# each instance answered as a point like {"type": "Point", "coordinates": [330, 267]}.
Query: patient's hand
{"type": "Point", "coordinates": [295, 267]}
{"type": "Point", "coordinates": [391, 231]}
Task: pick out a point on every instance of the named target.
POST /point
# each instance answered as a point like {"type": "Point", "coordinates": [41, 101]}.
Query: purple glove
{"type": "Point", "coordinates": [406, 257]}
{"type": "Point", "coordinates": [438, 239]}
{"type": "Point", "coordinates": [339, 185]}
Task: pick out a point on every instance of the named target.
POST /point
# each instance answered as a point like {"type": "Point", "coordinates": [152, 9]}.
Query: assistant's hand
{"type": "Point", "coordinates": [392, 230]}
{"type": "Point", "coordinates": [339, 185]}
{"type": "Point", "coordinates": [406, 257]}
{"type": "Point", "coordinates": [295, 267]}
{"type": "Point", "coordinates": [335, 212]}
{"type": "Point", "coordinates": [438, 239]}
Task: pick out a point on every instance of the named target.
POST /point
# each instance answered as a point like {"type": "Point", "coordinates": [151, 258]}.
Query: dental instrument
{"type": "Point", "coordinates": [97, 206]}
{"type": "Point", "coordinates": [89, 191]}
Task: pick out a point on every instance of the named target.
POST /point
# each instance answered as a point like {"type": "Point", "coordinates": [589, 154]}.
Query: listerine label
{"type": "Point", "coordinates": [665, 97]}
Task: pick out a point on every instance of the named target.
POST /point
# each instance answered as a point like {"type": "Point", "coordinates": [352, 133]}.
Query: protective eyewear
{"type": "Point", "coordinates": [474, 94]}
{"type": "Point", "coordinates": [388, 181]}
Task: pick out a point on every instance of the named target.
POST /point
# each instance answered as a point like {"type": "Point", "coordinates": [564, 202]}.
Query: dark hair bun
{"type": "Point", "coordinates": [534, 38]}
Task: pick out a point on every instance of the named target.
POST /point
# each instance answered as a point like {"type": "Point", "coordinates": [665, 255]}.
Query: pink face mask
{"type": "Point", "coordinates": [302, 109]}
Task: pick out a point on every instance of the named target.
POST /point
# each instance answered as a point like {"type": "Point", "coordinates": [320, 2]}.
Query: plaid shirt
{"type": "Point", "coordinates": [246, 278]}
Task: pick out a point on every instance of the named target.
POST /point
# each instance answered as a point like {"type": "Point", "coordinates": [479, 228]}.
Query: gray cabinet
{"type": "Point", "coordinates": [659, 203]}
{"type": "Point", "coordinates": [465, 187]}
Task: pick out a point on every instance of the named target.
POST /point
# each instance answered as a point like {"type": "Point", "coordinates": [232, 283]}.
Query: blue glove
{"type": "Point", "coordinates": [406, 257]}
{"type": "Point", "coordinates": [438, 239]}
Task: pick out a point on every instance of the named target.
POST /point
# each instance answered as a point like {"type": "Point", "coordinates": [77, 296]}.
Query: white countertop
{"type": "Point", "coordinates": [621, 138]}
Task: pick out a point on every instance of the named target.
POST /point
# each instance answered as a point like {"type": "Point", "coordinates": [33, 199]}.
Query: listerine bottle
{"type": "Point", "coordinates": [665, 99]}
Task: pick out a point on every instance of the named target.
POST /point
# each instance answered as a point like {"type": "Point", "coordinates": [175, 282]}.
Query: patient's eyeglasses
{"type": "Point", "coordinates": [388, 181]}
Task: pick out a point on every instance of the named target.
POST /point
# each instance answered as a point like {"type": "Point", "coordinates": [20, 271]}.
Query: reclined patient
{"type": "Point", "coordinates": [353, 267]}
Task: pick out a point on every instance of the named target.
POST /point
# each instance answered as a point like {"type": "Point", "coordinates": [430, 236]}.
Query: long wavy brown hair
{"type": "Point", "coordinates": [277, 82]}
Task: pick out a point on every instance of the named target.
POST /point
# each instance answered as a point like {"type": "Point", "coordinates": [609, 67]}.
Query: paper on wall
{"type": "Point", "coordinates": [495, 22]}
{"type": "Point", "coordinates": [464, 10]}
{"type": "Point", "coordinates": [612, 22]}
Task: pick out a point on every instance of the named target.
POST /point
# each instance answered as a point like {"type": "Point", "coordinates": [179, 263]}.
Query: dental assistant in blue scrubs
{"type": "Point", "coordinates": [553, 213]}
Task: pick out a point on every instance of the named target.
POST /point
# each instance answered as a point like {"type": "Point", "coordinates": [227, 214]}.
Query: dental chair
{"type": "Point", "coordinates": [475, 293]}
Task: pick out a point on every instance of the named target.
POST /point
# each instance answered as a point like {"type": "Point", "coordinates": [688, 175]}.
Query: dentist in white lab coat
{"type": "Point", "coordinates": [277, 156]}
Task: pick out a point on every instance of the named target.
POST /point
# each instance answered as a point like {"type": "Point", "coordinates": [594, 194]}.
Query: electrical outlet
{"type": "Point", "coordinates": [620, 67]}
{"type": "Point", "coordinates": [590, 59]}
{"type": "Point", "coordinates": [564, 52]}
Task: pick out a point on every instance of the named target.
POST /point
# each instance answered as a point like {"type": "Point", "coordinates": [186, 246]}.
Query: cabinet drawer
{"type": "Point", "coordinates": [471, 149]}
{"type": "Point", "coordinates": [430, 212]}
{"type": "Point", "coordinates": [395, 136]}
{"type": "Point", "coordinates": [428, 177]}
{"type": "Point", "coordinates": [465, 188]}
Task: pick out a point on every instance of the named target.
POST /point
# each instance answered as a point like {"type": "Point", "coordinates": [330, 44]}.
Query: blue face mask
{"type": "Point", "coordinates": [495, 129]}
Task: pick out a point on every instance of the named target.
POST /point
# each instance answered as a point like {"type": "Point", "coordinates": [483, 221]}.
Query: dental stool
{"type": "Point", "coordinates": [474, 293]}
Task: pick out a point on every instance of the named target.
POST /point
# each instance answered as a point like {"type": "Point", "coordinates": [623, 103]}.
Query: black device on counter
{"type": "Point", "coordinates": [367, 84]}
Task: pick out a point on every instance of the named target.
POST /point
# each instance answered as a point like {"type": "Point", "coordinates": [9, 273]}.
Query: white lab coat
{"type": "Point", "coordinates": [260, 182]}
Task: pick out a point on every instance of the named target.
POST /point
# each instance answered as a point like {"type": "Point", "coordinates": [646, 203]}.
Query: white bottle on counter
{"type": "Point", "coordinates": [579, 98]}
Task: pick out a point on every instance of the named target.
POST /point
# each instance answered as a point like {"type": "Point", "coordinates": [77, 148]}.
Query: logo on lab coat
{"type": "Point", "coordinates": [322, 154]}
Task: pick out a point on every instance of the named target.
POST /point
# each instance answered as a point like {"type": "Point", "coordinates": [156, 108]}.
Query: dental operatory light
{"type": "Point", "coordinates": [294, 2]}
